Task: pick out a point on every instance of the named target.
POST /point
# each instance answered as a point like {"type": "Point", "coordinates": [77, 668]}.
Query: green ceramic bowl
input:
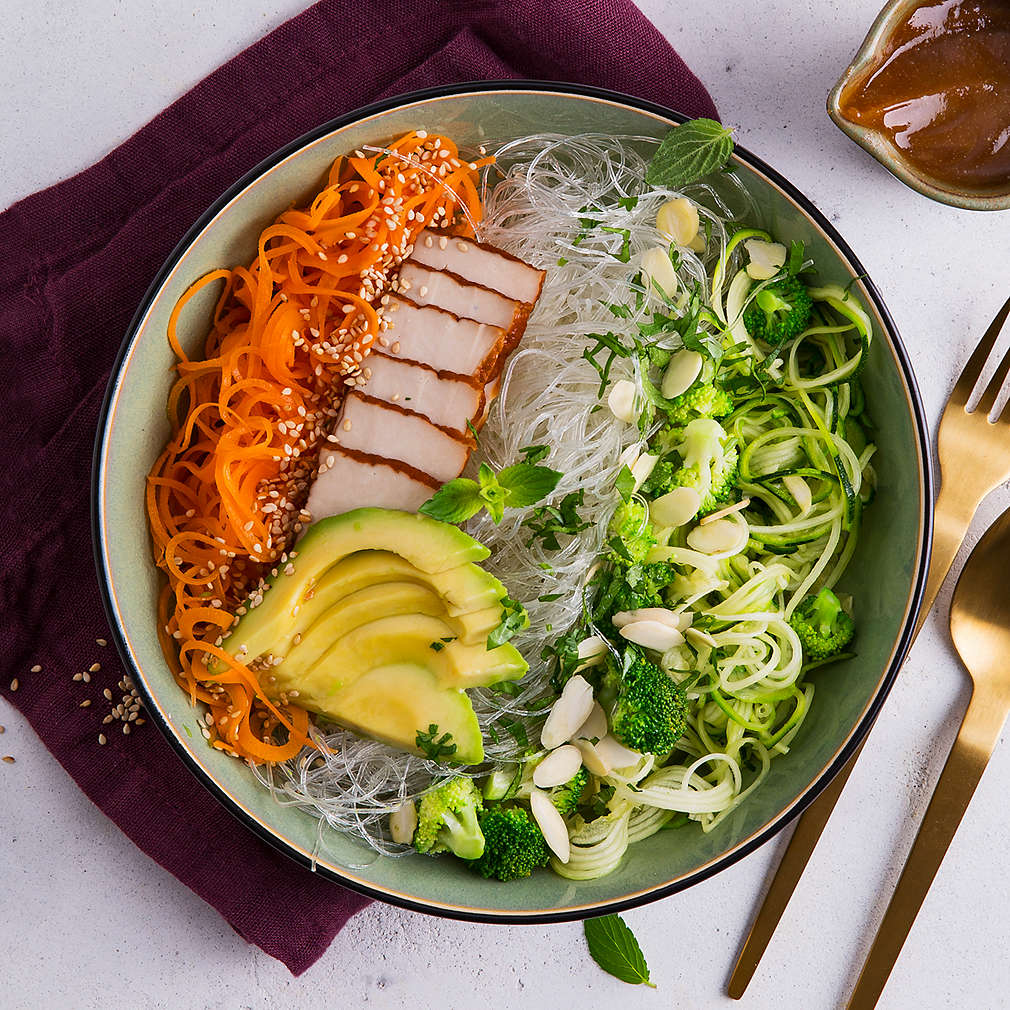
{"type": "Point", "coordinates": [880, 145]}
{"type": "Point", "coordinates": [887, 572]}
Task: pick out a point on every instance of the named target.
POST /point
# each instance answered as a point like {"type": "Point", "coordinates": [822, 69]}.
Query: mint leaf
{"type": "Point", "coordinates": [513, 618]}
{"type": "Point", "coordinates": [454, 502]}
{"type": "Point", "coordinates": [526, 485]}
{"type": "Point", "coordinates": [690, 152]}
{"type": "Point", "coordinates": [795, 263]}
{"type": "Point", "coordinates": [614, 948]}
{"type": "Point", "coordinates": [625, 483]}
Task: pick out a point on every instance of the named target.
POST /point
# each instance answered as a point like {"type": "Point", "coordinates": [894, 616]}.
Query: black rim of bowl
{"type": "Point", "coordinates": [859, 730]}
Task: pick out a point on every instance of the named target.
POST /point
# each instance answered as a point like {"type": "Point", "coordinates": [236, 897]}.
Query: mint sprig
{"type": "Point", "coordinates": [614, 948]}
{"type": "Point", "coordinates": [689, 152]}
{"type": "Point", "coordinates": [516, 486]}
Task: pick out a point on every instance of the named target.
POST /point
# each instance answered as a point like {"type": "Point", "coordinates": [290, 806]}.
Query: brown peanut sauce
{"type": "Point", "coordinates": [940, 90]}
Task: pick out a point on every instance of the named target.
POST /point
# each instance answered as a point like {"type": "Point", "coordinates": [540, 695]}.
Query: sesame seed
{"type": "Point", "coordinates": [78, 676]}
{"type": "Point", "coordinates": [462, 247]}
{"type": "Point", "coordinates": [86, 677]}
{"type": "Point", "coordinates": [101, 739]}
{"type": "Point", "coordinates": [9, 759]}
{"type": "Point", "coordinates": [347, 423]}
{"type": "Point", "coordinates": [101, 641]}
{"type": "Point", "coordinates": [36, 668]}
{"type": "Point", "coordinates": [108, 694]}
{"type": "Point", "coordinates": [443, 242]}
{"type": "Point", "coordinates": [14, 684]}
{"type": "Point", "coordinates": [94, 668]}
{"type": "Point", "coordinates": [85, 703]}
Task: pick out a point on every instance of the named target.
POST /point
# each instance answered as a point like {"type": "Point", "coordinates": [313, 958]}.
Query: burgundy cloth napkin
{"type": "Point", "coordinates": [78, 258]}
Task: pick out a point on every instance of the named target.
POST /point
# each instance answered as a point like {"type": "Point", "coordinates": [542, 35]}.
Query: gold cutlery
{"type": "Point", "coordinates": [963, 435]}
{"type": "Point", "coordinates": [980, 627]}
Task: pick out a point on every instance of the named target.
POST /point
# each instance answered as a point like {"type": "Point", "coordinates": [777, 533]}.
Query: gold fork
{"type": "Point", "coordinates": [980, 628]}
{"type": "Point", "coordinates": [977, 451]}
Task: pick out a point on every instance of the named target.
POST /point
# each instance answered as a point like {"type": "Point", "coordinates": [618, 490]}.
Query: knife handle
{"type": "Point", "coordinates": [976, 740]}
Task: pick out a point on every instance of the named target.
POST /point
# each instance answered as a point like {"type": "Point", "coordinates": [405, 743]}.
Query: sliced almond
{"type": "Point", "coordinates": [766, 258]}
{"type": "Point", "coordinates": [551, 823]}
{"type": "Point", "coordinates": [614, 753]}
{"type": "Point", "coordinates": [681, 373]}
{"type": "Point", "coordinates": [403, 822]}
{"type": "Point", "coordinates": [679, 621]}
{"type": "Point", "coordinates": [675, 508]}
{"type": "Point", "coordinates": [652, 635]}
{"type": "Point", "coordinates": [605, 755]}
{"type": "Point", "coordinates": [678, 220]}
{"type": "Point", "coordinates": [724, 536]}
{"type": "Point", "coordinates": [595, 727]}
{"type": "Point", "coordinates": [644, 466]}
{"type": "Point", "coordinates": [658, 272]}
{"type": "Point", "coordinates": [591, 652]}
{"type": "Point", "coordinates": [621, 401]}
{"type": "Point", "coordinates": [722, 513]}
{"type": "Point", "coordinates": [570, 711]}
{"type": "Point", "coordinates": [558, 767]}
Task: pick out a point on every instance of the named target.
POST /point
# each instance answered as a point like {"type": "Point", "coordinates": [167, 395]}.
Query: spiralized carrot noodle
{"type": "Point", "coordinates": [289, 333]}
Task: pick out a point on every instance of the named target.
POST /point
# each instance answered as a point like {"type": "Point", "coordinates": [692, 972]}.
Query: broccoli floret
{"type": "Point", "coordinates": [703, 399]}
{"type": "Point", "coordinates": [568, 796]}
{"type": "Point", "coordinates": [447, 820]}
{"type": "Point", "coordinates": [710, 464]}
{"type": "Point", "coordinates": [779, 311]}
{"type": "Point", "coordinates": [649, 712]}
{"type": "Point", "coordinates": [822, 626]}
{"type": "Point", "coordinates": [513, 844]}
{"type": "Point", "coordinates": [630, 534]}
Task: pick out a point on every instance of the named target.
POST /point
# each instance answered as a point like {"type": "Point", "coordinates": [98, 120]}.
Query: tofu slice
{"type": "Point", "coordinates": [447, 400]}
{"type": "Point", "coordinates": [479, 264]}
{"type": "Point", "coordinates": [391, 432]}
{"type": "Point", "coordinates": [462, 298]}
{"type": "Point", "coordinates": [349, 479]}
{"type": "Point", "coordinates": [441, 340]}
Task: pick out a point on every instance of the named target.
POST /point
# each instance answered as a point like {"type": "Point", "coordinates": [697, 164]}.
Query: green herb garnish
{"type": "Point", "coordinates": [614, 948]}
{"type": "Point", "coordinates": [435, 747]}
{"type": "Point", "coordinates": [689, 152]}
{"type": "Point", "coordinates": [514, 487]}
{"type": "Point", "coordinates": [513, 619]}
{"type": "Point", "coordinates": [548, 522]}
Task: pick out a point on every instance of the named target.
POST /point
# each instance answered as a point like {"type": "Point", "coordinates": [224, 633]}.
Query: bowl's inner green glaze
{"type": "Point", "coordinates": [882, 574]}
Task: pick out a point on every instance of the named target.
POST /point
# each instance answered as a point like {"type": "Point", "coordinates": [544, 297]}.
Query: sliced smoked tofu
{"type": "Point", "coordinates": [441, 340]}
{"type": "Point", "coordinates": [393, 432]}
{"type": "Point", "coordinates": [349, 479]}
{"type": "Point", "coordinates": [450, 401]}
{"type": "Point", "coordinates": [480, 264]}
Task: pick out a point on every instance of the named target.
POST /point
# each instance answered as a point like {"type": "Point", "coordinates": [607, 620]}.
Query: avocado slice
{"type": "Point", "coordinates": [405, 638]}
{"type": "Point", "coordinates": [464, 588]}
{"type": "Point", "coordinates": [294, 602]}
{"type": "Point", "coordinates": [391, 703]}
{"type": "Point", "coordinates": [386, 599]}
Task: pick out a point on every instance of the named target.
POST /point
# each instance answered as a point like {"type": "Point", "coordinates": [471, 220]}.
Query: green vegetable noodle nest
{"type": "Point", "coordinates": [671, 487]}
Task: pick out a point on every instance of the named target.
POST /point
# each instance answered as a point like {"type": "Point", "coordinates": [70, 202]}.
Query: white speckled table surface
{"type": "Point", "coordinates": [86, 920]}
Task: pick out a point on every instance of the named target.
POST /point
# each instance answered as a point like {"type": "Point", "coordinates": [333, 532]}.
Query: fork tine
{"type": "Point", "coordinates": [992, 390]}
{"type": "Point", "coordinates": [973, 368]}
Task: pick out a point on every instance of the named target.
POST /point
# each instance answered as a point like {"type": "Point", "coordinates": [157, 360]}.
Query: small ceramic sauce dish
{"type": "Point", "coordinates": [928, 95]}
